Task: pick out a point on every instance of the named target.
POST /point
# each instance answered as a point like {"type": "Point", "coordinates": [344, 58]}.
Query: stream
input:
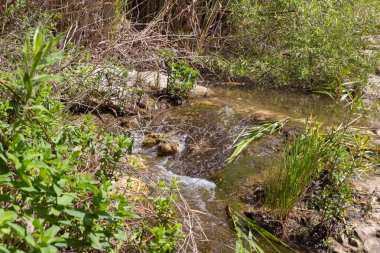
{"type": "Point", "coordinates": [205, 130]}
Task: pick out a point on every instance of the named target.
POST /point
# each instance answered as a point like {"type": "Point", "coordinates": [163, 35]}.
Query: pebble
{"type": "Point", "coordinates": [354, 242]}
{"type": "Point", "coordinates": [342, 239]}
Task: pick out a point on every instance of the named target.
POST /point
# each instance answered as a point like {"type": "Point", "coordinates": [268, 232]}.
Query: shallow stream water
{"type": "Point", "coordinates": [205, 129]}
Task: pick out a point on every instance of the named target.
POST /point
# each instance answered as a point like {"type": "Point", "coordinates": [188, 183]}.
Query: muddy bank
{"type": "Point", "coordinates": [361, 232]}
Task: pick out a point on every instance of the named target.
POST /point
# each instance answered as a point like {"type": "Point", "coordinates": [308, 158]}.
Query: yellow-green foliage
{"type": "Point", "coordinates": [309, 44]}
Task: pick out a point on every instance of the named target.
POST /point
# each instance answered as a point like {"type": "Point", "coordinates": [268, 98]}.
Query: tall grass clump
{"type": "Point", "coordinates": [298, 168]}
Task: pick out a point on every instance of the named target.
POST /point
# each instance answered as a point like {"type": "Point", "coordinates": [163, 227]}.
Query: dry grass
{"type": "Point", "coordinates": [131, 32]}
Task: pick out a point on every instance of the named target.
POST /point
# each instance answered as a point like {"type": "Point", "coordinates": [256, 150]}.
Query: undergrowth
{"type": "Point", "coordinates": [56, 188]}
{"type": "Point", "coordinates": [310, 45]}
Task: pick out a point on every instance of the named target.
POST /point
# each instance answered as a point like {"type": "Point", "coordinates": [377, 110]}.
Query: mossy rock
{"type": "Point", "coordinates": [152, 139]}
{"type": "Point", "coordinates": [167, 148]}
{"type": "Point", "coordinates": [150, 142]}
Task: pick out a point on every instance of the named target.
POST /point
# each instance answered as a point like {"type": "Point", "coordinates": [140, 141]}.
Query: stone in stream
{"type": "Point", "coordinates": [365, 232]}
{"type": "Point", "coordinates": [152, 139]}
{"type": "Point", "coordinates": [159, 80]}
{"type": "Point", "coordinates": [167, 148]}
{"type": "Point", "coordinates": [336, 247]}
{"type": "Point", "coordinates": [372, 245]}
{"type": "Point", "coordinates": [355, 245]}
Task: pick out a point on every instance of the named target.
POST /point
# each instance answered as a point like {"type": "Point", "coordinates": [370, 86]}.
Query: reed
{"type": "Point", "coordinates": [299, 166]}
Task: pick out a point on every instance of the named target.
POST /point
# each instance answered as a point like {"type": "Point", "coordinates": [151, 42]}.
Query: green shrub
{"type": "Point", "coordinates": [306, 44]}
{"type": "Point", "coordinates": [182, 78]}
{"type": "Point", "coordinates": [56, 188]}
{"type": "Point", "coordinates": [50, 198]}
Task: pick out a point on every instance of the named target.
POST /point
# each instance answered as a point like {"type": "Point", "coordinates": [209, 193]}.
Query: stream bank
{"type": "Point", "coordinates": [203, 129]}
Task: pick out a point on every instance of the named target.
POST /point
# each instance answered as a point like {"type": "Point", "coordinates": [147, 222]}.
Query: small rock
{"type": "Point", "coordinates": [342, 239]}
{"type": "Point", "coordinates": [355, 243]}
{"type": "Point", "coordinates": [200, 91]}
{"type": "Point", "coordinates": [365, 232]}
{"type": "Point", "coordinates": [167, 148]}
{"type": "Point", "coordinates": [147, 103]}
{"type": "Point", "coordinates": [372, 245]}
{"type": "Point", "coordinates": [150, 142]}
{"type": "Point", "coordinates": [335, 247]}
{"type": "Point", "coordinates": [152, 139]}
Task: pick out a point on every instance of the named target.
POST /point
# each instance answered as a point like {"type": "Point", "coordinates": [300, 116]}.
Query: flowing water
{"type": "Point", "coordinates": [206, 128]}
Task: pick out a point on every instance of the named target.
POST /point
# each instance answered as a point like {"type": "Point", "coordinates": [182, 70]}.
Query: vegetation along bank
{"type": "Point", "coordinates": [189, 126]}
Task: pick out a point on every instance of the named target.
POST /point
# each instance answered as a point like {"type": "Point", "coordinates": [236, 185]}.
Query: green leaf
{"type": "Point", "coordinates": [47, 78]}
{"type": "Point", "coordinates": [26, 50]}
{"type": "Point", "coordinates": [75, 213]}
{"type": "Point", "coordinates": [51, 44]}
{"type": "Point", "coordinates": [49, 249]}
{"type": "Point", "coordinates": [57, 189]}
{"type": "Point", "coordinates": [253, 134]}
{"type": "Point", "coordinates": [38, 41]}
{"type": "Point", "coordinates": [3, 249]}
{"type": "Point", "coordinates": [5, 178]}
{"type": "Point", "coordinates": [95, 241]}
{"type": "Point", "coordinates": [52, 231]}
{"type": "Point", "coordinates": [50, 60]}
{"type": "Point", "coordinates": [18, 229]}
{"type": "Point", "coordinates": [6, 216]}
{"type": "Point", "coordinates": [65, 200]}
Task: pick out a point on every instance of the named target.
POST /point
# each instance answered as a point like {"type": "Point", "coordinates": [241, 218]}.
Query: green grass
{"type": "Point", "coordinates": [252, 134]}
{"type": "Point", "coordinates": [298, 167]}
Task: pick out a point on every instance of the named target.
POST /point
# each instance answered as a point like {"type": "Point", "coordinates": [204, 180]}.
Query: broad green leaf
{"type": "Point", "coordinates": [3, 249]}
{"type": "Point", "coordinates": [75, 213]}
{"type": "Point", "coordinates": [6, 216]}
{"type": "Point", "coordinates": [95, 241]}
{"type": "Point", "coordinates": [52, 231]}
{"type": "Point", "coordinates": [5, 177]}
{"type": "Point", "coordinates": [38, 41]}
{"type": "Point", "coordinates": [65, 200]}
{"type": "Point", "coordinates": [47, 78]}
{"type": "Point", "coordinates": [18, 229]}
{"type": "Point", "coordinates": [26, 50]}
{"type": "Point", "coordinates": [58, 190]}
{"type": "Point", "coordinates": [29, 239]}
{"type": "Point", "coordinates": [51, 44]}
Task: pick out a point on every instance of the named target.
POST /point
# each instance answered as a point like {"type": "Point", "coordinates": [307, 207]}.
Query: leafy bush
{"type": "Point", "coordinates": [182, 77]}
{"type": "Point", "coordinates": [334, 193]}
{"type": "Point", "coordinates": [55, 177]}
{"type": "Point", "coordinates": [49, 197]}
{"type": "Point", "coordinates": [307, 44]}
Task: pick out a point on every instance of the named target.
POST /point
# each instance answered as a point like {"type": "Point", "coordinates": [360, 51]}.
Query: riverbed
{"type": "Point", "coordinates": [205, 130]}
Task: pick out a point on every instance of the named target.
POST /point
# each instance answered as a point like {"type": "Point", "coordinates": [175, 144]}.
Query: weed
{"type": "Point", "coordinates": [181, 77]}
{"type": "Point", "coordinates": [298, 168]}
{"type": "Point", "coordinates": [252, 134]}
